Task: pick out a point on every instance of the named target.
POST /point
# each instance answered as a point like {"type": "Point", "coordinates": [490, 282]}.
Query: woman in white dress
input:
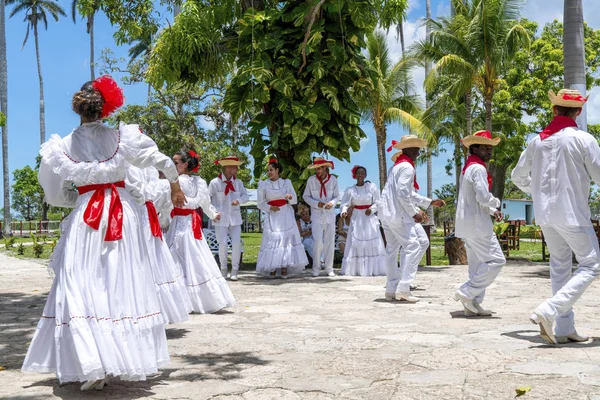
{"type": "Point", "coordinates": [305, 229]}
{"type": "Point", "coordinates": [175, 303]}
{"type": "Point", "coordinates": [102, 316]}
{"type": "Point", "coordinates": [365, 252]}
{"type": "Point", "coordinates": [207, 288]}
{"type": "Point", "coordinates": [281, 248]}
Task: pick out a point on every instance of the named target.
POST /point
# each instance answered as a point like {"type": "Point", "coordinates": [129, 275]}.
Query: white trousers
{"type": "Point", "coordinates": [235, 232]}
{"type": "Point", "coordinates": [567, 287]}
{"type": "Point", "coordinates": [486, 259]}
{"type": "Point", "coordinates": [403, 239]}
{"type": "Point", "coordinates": [423, 244]}
{"type": "Point", "coordinates": [324, 245]}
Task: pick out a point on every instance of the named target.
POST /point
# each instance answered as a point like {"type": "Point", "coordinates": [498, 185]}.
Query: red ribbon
{"type": "Point", "coordinates": [394, 142]}
{"type": "Point", "coordinates": [320, 162]}
{"type": "Point", "coordinates": [559, 122]}
{"type": "Point", "coordinates": [323, 192]}
{"type": "Point", "coordinates": [277, 202]}
{"type": "Point", "coordinates": [473, 159]}
{"type": "Point", "coordinates": [363, 207]}
{"type": "Point", "coordinates": [228, 184]}
{"type": "Point", "coordinates": [95, 206]}
{"type": "Point", "coordinates": [576, 98]}
{"type": "Point", "coordinates": [273, 160]}
{"type": "Point", "coordinates": [196, 220]}
{"type": "Point", "coordinates": [153, 218]}
{"type": "Point", "coordinates": [404, 158]}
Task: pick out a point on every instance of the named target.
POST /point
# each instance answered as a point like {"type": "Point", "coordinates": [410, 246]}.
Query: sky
{"type": "Point", "coordinates": [64, 51]}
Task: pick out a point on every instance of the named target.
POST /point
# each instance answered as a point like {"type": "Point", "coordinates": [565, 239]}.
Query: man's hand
{"type": "Point", "coordinates": [288, 197]}
{"type": "Point", "coordinates": [438, 203]}
{"type": "Point", "coordinates": [498, 216]}
{"type": "Point", "coordinates": [274, 208]}
{"type": "Point", "coordinates": [235, 203]}
{"type": "Point", "coordinates": [178, 198]}
{"type": "Point", "coordinates": [328, 206]}
{"type": "Point", "coordinates": [420, 216]}
{"type": "Point", "coordinates": [368, 211]}
{"type": "Point", "coordinates": [217, 217]}
{"type": "Point", "coordinates": [344, 214]}
{"type": "Point", "coordinates": [321, 204]}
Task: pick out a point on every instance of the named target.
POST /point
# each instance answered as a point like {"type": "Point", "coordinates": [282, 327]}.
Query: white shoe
{"type": "Point", "coordinates": [573, 337]}
{"type": "Point", "coordinates": [331, 274]}
{"type": "Point", "coordinates": [481, 311]}
{"type": "Point", "coordinates": [100, 385]}
{"type": "Point", "coordinates": [466, 302]}
{"type": "Point", "coordinates": [546, 330]}
{"type": "Point", "coordinates": [224, 273]}
{"type": "Point", "coordinates": [407, 296]}
{"type": "Point", "coordinates": [315, 274]}
{"type": "Point", "coordinates": [234, 275]}
{"type": "Point", "coordinates": [89, 385]}
{"type": "Point", "coordinates": [390, 296]}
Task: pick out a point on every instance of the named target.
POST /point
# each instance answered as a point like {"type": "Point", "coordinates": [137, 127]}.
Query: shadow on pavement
{"type": "Point", "coordinates": [533, 336]}
{"type": "Point", "coordinates": [461, 314]}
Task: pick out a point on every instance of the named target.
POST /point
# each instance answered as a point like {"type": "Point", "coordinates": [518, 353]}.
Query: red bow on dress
{"type": "Point", "coordinates": [473, 159]}
{"type": "Point", "coordinates": [228, 184]}
{"type": "Point", "coordinates": [196, 221]}
{"type": "Point", "coordinates": [153, 218]}
{"type": "Point", "coordinates": [404, 158]}
{"type": "Point", "coordinates": [559, 122]}
{"type": "Point", "coordinates": [93, 212]}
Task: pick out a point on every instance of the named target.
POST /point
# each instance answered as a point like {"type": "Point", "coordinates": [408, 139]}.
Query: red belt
{"type": "Point", "coordinates": [277, 203]}
{"type": "Point", "coordinates": [364, 207]}
{"type": "Point", "coordinates": [196, 221]}
{"type": "Point", "coordinates": [95, 206]}
{"type": "Point", "coordinates": [153, 218]}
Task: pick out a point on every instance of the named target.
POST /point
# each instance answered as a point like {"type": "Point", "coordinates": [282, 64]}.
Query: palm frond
{"type": "Point", "coordinates": [410, 122]}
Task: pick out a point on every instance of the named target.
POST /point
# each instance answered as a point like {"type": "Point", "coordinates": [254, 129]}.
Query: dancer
{"type": "Point", "coordinates": [322, 194]}
{"type": "Point", "coordinates": [174, 299]}
{"type": "Point", "coordinates": [227, 193]}
{"type": "Point", "coordinates": [365, 252]}
{"type": "Point", "coordinates": [474, 225]}
{"type": "Point", "coordinates": [102, 316]}
{"type": "Point", "coordinates": [399, 215]}
{"type": "Point", "coordinates": [281, 250]}
{"type": "Point", "coordinates": [556, 168]}
{"type": "Point", "coordinates": [304, 227]}
{"type": "Point", "coordinates": [206, 286]}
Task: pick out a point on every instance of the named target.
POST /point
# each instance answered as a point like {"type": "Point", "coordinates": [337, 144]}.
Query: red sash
{"type": "Point", "coordinates": [95, 206]}
{"type": "Point", "coordinates": [277, 203]}
{"type": "Point", "coordinates": [153, 218]}
{"type": "Point", "coordinates": [196, 221]}
{"type": "Point", "coordinates": [228, 184]}
{"type": "Point", "coordinates": [323, 192]}
{"type": "Point", "coordinates": [364, 207]}
{"type": "Point", "coordinates": [404, 158]}
{"type": "Point", "coordinates": [473, 159]}
{"type": "Point", "coordinates": [559, 122]}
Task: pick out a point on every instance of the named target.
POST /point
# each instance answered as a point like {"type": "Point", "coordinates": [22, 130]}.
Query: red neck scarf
{"type": "Point", "coordinates": [473, 159]}
{"type": "Point", "coordinates": [404, 158]}
{"type": "Point", "coordinates": [559, 122]}
{"type": "Point", "coordinates": [323, 192]}
{"type": "Point", "coordinates": [228, 184]}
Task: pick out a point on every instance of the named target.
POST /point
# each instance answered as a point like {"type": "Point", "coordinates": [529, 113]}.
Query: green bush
{"type": "Point", "coordinates": [9, 242]}
{"type": "Point", "coordinates": [38, 248]}
{"type": "Point", "coordinates": [21, 249]}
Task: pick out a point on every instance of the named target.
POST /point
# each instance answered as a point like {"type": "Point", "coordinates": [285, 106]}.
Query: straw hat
{"type": "Point", "coordinates": [396, 155]}
{"type": "Point", "coordinates": [480, 137]}
{"type": "Point", "coordinates": [302, 207]}
{"type": "Point", "coordinates": [320, 162]}
{"type": "Point", "coordinates": [567, 98]}
{"type": "Point", "coordinates": [228, 161]}
{"type": "Point", "coordinates": [408, 141]}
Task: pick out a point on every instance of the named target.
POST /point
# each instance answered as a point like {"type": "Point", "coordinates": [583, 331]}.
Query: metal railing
{"type": "Point", "coordinates": [26, 228]}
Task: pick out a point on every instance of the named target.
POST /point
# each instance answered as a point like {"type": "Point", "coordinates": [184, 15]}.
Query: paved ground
{"type": "Point", "coordinates": [336, 338]}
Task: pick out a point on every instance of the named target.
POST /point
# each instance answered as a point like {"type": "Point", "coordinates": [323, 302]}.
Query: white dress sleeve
{"type": "Point", "coordinates": [261, 198]}
{"type": "Point", "coordinates": [57, 191]}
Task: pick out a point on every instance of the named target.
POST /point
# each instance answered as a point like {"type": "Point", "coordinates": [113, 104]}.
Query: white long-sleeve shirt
{"type": "Point", "coordinates": [230, 215]}
{"type": "Point", "coordinates": [312, 196]}
{"type": "Point", "coordinates": [556, 172]}
{"type": "Point", "coordinates": [399, 201]}
{"type": "Point", "coordinates": [475, 204]}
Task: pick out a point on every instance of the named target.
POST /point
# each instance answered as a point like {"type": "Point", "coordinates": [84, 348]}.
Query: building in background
{"type": "Point", "coordinates": [518, 209]}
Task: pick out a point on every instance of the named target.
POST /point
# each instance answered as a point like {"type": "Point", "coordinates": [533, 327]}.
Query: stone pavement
{"type": "Point", "coordinates": [336, 338]}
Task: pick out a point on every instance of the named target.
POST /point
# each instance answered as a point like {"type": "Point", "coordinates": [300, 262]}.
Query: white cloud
{"type": "Point", "coordinates": [544, 11]}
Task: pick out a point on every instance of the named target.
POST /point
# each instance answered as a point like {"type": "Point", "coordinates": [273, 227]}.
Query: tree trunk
{"type": "Point", "coordinates": [574, 52]}
{"type": "Point", "coordinates": [458, 158]}
{"type": "Point", "coordinates": [400, 29]}
{"type": "Point", "coordinates": [4, 109]}
{"type": "Point", "coordinates": [42, 108]}
{"type": "Point", "coordinates": [430, 213]}
{"type": "Point", "coordinates": [380, 134]}
{"type": "Point", "coordinates": [457, 253]}
{"type": "Point", "coordinates": [498, 173]}
{"type": "Point", "coordinates": [90, 28]}
{"type": "Point", "coordinates": [469, 113]}
{"type": "Point", "coordinates": [488, 110]}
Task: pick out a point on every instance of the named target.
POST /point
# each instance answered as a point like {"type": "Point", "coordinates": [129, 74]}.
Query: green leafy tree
{"type": "Point", "coordinates": [27, 193]}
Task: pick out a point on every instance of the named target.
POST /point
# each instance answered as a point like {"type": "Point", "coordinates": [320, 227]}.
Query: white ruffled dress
{"type": "Point", "coordinates": [169, 282]}
{"type": "Point", "coordinates": [102, 315]}
{"type": "Point", "coordinates": [365, 252]}
{"type": "Point", "coordinates": [281, 245]}
{"type": "Point", "coordinates": [207, 289]}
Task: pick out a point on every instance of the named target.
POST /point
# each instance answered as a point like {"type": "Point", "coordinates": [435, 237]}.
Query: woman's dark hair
{"type": "Point", "coordinates": [363, 168]}
{"type": "Point", "coordinates": [185, 157]}
{"type": "Point", "coordinates": [277, 166]}
{"type": "Point", "coordinates": [88, 102]}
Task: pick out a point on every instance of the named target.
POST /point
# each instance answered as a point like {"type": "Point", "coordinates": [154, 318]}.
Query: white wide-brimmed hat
{"type": "Point", "coordinates": [408, 141]}
{"type": "Point", "coordinates": [228, 161]}
{"type": "Point", "coordinates": [320, 162]}
{"type": "Point", "coordinates": [480, 137]}
{"type": "Point", "coordinates": [567, 98]}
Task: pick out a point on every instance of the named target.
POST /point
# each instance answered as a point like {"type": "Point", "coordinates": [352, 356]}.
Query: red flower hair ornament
{"type": "Point", "coordinates": [197, 157]}
{"type": "Point", "coordinates": [111, 93]}
{"type": "Point", "coordinates": [354, 169]}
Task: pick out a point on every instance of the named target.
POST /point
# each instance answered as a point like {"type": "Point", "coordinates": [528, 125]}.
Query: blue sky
{"type": "Point", "coordinates": [64, 51]}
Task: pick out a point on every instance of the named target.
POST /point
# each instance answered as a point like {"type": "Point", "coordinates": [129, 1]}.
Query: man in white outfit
{"type": "Point", "coordinates": [227, 193]}
{"type": "Point", "coordinates": [556, 169]}
{"type": "Point", "coordinates": [322, 194]}
{"type": "Point", "coordinates": [399, 215]}
{"type": "Point", "coordinates": [474, 209]}
{"type": "Point", "coordinates": [422, 202]}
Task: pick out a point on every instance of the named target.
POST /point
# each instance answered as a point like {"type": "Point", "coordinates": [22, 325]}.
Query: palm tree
{"type": "Point", "coordinates": [35, 11]}
{"type": "Point", "coordinates": [430, 213]}
{"type": "Point", "coordinates": [89, 29]}
{"type": "Point", "coordinates": [574, 51]}
{"type": "Point", "coordinates": [4, 111]}
{"type": "Point", "coordinates": [390, 100]}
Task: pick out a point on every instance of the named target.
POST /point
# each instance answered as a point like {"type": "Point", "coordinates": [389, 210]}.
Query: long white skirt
{"type": "Point", "coordinates": [169, 282]}
{"type": "Point", "coordinates": [281, 246]}
{"type": "Point", "coordinates": [102, 316]}
{"type": "Point", "coordinates": [365, 252]}
{"type": "Point", "coordinates": [207, 289]}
